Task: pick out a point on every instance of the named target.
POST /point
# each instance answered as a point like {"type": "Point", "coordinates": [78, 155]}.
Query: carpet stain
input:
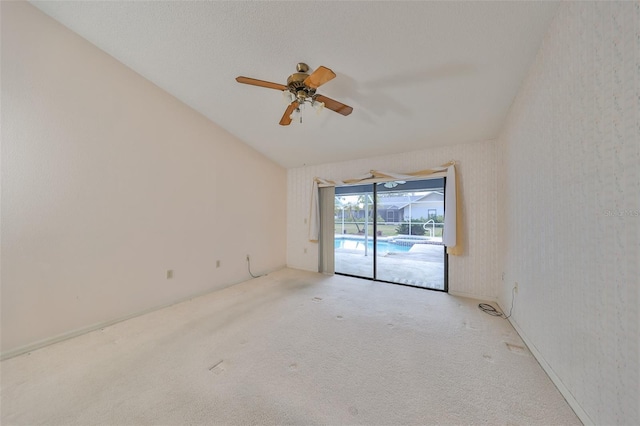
{"type": "Point", "coordinates": [516, 349]}
{"type": "Point", "coordinates": [488, 357]}
{"type": "Point", "coordinates": [390, 325]}
{"type": "Point", "coordinates": [353, 411]}
{"type": "Point", "coordinates": [339, 317]}
{"type": "Point", "coordinates": [317, 299]}
{"type": "Point", "coordinates": [470, 326]}
{"type": "Point", "coordinates": [293, 367]}
{"type": "Point", "coordinates": [217, 368]}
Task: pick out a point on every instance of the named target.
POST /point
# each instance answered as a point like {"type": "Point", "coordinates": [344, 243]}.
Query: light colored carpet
{"type": "Point", "coordinates": [290, 348]}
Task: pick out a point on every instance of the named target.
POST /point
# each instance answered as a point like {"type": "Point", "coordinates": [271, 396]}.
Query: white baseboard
{"type": "Point", "coordinates": [472, 296]}
{"type": "Point", "coordinates": [80, 331]}
{"type": "Point", "coordinates": [568, 396]}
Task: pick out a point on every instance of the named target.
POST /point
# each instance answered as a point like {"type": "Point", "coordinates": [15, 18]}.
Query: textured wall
{"type": "Point", "coordinates": [569, 185]}
{"type": "Point", "coordinates": [107, 182]}
{"type": "Point", "coordinates": [473, 273]}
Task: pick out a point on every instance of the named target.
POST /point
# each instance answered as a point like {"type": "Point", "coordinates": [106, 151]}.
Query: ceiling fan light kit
{"type": "Point", "coordinates": [301, 90]}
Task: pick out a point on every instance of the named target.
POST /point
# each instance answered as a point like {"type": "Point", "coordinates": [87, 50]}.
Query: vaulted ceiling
{"type": "Point", "coordinates": [417, 74]}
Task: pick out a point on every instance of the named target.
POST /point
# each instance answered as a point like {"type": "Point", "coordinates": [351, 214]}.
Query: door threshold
{"type": "Point", "coordinates": [391, 282]}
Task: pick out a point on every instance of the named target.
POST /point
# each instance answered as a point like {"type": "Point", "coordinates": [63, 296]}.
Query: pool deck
{"type": "Point", "coordinates": [421, 266]}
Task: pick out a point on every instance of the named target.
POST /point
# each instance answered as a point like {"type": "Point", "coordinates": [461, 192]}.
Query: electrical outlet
{"type": "Point", "coordinates": [169, 274]}
{"type": "Point", "coordinates": [217, 263]}
{"type": "Point", "coordinates": [515, 287]}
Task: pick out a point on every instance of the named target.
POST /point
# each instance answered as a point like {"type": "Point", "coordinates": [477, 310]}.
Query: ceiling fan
{"type": "Point", "coordinates": [300, 90]}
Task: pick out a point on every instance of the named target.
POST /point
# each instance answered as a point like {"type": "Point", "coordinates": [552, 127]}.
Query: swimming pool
{"type": "Point", "coordinates": [343, 243]}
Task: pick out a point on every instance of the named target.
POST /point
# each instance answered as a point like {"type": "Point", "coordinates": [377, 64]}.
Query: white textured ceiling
{"type": "Point", "coordinates": [418, 74]}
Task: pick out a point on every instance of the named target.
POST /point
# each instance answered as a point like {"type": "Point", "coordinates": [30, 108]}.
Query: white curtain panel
{"type": "Point", "coordinates": [327, 230]}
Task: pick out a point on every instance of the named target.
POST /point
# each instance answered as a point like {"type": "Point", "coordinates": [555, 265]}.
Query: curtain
{"type": "Point", "coordinates": [452, 220]}
{"type": "Point", "coordinates": [327, 196]}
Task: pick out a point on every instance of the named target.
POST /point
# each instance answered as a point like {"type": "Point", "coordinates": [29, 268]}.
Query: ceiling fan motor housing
{"type": "Point", "coordinates": [295, 84]}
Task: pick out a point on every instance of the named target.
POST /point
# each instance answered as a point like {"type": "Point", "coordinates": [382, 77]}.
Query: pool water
{"type": "Point", "coordinates": [359, 245]}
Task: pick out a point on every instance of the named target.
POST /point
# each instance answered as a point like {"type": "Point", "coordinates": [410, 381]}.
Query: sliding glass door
{"type": "Point", "coordinates": [392, 232]}
{"type": "Point", "coordinates": [354, 231]}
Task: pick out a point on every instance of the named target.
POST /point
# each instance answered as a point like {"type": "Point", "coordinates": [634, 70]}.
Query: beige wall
{"type": "Point", "coordinates": [107, 182]}
{"type": "Point", "coordinates": [473, 273]}
{"type": "Point", "coordinates": [569, 224]}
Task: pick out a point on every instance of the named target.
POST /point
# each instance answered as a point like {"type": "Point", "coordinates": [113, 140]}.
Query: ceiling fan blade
{"type": "Point", "coordinates": [334, 105]}
{"type": "Point", "coordinates": [286, 118]}
{"type": "Point", "coordinates": [261, 83]}
{"type": "Point", "coordinates": [319, 77]}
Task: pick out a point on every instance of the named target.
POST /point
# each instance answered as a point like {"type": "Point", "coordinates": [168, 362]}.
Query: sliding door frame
{"type": "Point", "coordinates": [375, 246]}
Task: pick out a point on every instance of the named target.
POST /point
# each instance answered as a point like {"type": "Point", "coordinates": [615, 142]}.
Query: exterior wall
{"type": "Point", "coordinates": [569, 210]}
{"type": "Point", "coordinates": [421, 208]}
{"type": "Point", "coordinates": [108, 182]}
{"type": "Point", "coordinates": [472, 273]}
